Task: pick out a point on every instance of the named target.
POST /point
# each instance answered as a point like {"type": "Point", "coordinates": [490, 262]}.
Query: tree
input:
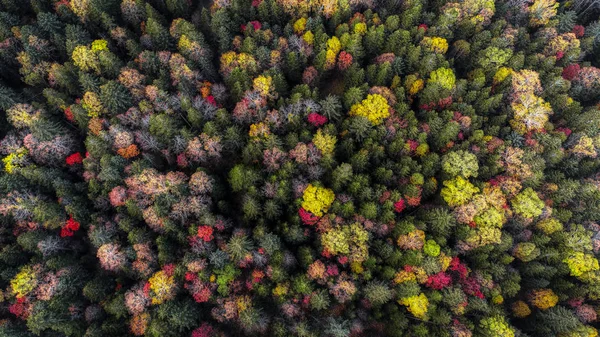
{"type": "Point", "coordinates": [375, 108]}
{"type": "Point", "coordinates": [460, 163]}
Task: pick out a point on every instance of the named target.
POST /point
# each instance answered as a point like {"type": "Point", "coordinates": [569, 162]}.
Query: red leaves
{"type": "Point", "coordinates": [413, 144]}
{"type": "Point", "coordinates": [399, 206]}
{"type": "Point", "coordinates": [204, 330]}
{"type": "Point", "coordinates": [65, 232]}
{"type": "Point", "coordinates": [471, 287]}
{"type": "Point", "coordinates": [438, 281]}
{"type": "Point", "coordinates": [69, 115]}
{"type": "Point", "coordinates": [579, 31]}
{"type": "Point", "coordinates": [190, 276]}
{"type": "Point", "coordinates": [73, 159]}
{"type": "Point", "coordinates": [255, 24]}
{"type": "Point", "coordinates": [205, 233]}
{"type": "Point", "coordinates": [316, 120]}
{"type": "Point", "coordinates": [469, 284]}
{"type": "Point", "coordinates": [459, 267]}
{"type": "Point", "coordinates": [203, 295]}
{"type": "Point", "coordinates": [307, 217]}
{"type": "Point", "coordinates": [169, 269]}
{"type": "Point", "coordinates": [571, 71]}
{"type": "Point", "coordinates": [566, 131]}
{"type": "Point", "coordinates": [147, 288]}
{"type": "Point", "coordinates": [211, 99]}
{"type": "Point", "coordinates": [20, 309]}
{"type": "Point", "coordinates": [70, 227]}
{"type": "Point", "coordinates": [441, 104]}
{"type": "Point", "coordinates": [344, 60]}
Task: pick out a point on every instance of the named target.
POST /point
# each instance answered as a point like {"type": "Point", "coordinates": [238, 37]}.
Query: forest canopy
{"type": "Point", "coordinates": [322, 168]}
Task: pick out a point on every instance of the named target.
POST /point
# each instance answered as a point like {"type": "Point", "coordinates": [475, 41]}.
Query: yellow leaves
{"type": "Point", "coordinates": [496, 326]}
{"type": "Point", "coordinates": [11, 162]}
{"type": "Point", "coordinates": [445, 261]}
{"type": "Point", "coordinates": [416, 86]}
{"type": "Point", "coordinates": [85, 59]}
{"type": "Point", "coordinates": [360, 28]}
{"type": "Point", "coordinates": [375, 108]}
{"type": "Point", "coordinates": [330, 59]}
{"type": "Point", "coordinates": [458, 191]}
{"type": "Point", "coordinates": [525, 81]}
{"type": "Point", "coordinates": [324, 142]}
{"type": "Point", "coordinates": [184, 43]}
{"type": "Point", "coordinates": [22, 115]}
{"type": "Point", "coordinates": [416, 305]}
{"type": "Point", "coordinates": [245, 60]}
{"type": "Point", "coordinates": [549, 226]}
{"type": "Point", "coordinates": [435, 44]}
{"type": "Point", "coordinates": [228, 58]}
{"type": "Point", "coordinates": [498, 299]}
{"type": "Point", "coordinates": [81, 8]}
{"type": "Point", "coordinates": [258, 130]}
{"type": "Point", "coordinates": [491, 217]}
{"type": "Point", "coordinates": [484, 236]}
{"type": "Point", "coordinates": [231, 60]}
{"type": "Point", "coordinates": [404, 276]}
{"type": "Point", "coordinates": [299, 25]}
{"type": "Point", "coordinates": [476, 12]}
{"type": "Point", "coordinates": [334, 45]}
{"type": "Point", "coordinates": [281, 289]}
{"type": "Point", "coordinates": [99, 45]}
{"type": "Point", "coordinates": [329, 7]}
{"type": "Point", "coordinates": [336, 242]}
{"type": "Point", "coordinates": [243, 303]}
{"type": "Point", "coordinates": [543, 298]}
{"type": "Point", "coordinates": [350, 240]}
{"type": "Point", "coordinates": [541, 11]}
{"type": "Point", "coordinates": [564, 42]}
{"type": "Point", "coordinates": [303, 7]}
{"type": "Point", "coordinates": [333, 48]}
{"type": "Point", "coordinates": [585, 147]}
{"type": "Point", "coordinates": [162, 286]}
{"type": "Point", "coordinates": [502, 74]}
{"type": "Point", "coordinates": [308, 37]}
{"type": "Point", "coordinates": [263, 84]}
{"type": "Point", "coordinates": [24, 282]}
{"type": "Point", "coordinates": [422, 150]}
{"type": "Point", "coordinates": [581, 264]}
{"type": "Point", "coordinates": [569, 101]}
{"type": "Point", "coordinates": [92, 104]}
{"type": "Point", "coordinates": [357, 268]}
{"type": "Point", "coordinates": [317, 199]}
{"type": "Point", "coordinates": [444, 77]}
{"type": "Point", "coordinates": [530, 113]}
{"type": "Point", "coordinates": [527, 204]}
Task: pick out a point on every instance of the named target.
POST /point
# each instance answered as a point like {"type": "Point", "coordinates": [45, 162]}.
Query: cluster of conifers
{"type": "Point", "coordinates": [335, 168]}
